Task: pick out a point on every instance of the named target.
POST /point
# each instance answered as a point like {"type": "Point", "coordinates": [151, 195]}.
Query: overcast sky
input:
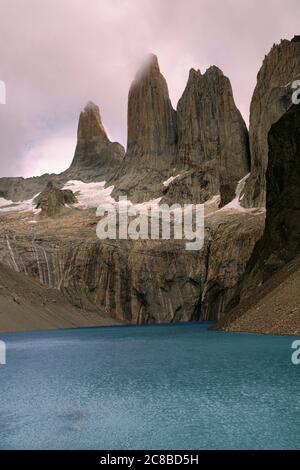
{"type": "Point", "coordinates": [56, 55]}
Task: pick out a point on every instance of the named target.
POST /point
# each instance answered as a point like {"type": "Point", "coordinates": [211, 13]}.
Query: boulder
{"type": "Point", "coordinates": [52, 200]}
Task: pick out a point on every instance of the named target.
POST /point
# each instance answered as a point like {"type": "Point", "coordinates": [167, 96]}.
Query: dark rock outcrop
{"type": "Point", "coordinates": [271, 99]}
{"type": "Point", "coordinates": [52, 200]}
{"type": "Point", "coordinates": [280, 242]}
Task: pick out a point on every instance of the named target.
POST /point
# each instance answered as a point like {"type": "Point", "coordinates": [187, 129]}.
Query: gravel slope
{"type": "Point", "coordinates": [25, 305]}
{"type": "Point", "coordinates": [274, 309]}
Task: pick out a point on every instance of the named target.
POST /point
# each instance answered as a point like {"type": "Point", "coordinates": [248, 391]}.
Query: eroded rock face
{"type": "Point", "coordinates": [141, 281]}
{"type": "Point", "coordinates": [213, 148]}
{"type": "Point", "coordinates": [152, 134]}
{"type": "Point", "coordinates": [151, 119]}
{"type": "Point", "coordinates": [52, 200]}
{"type": "Point", "coordinates": [95, 155]}
{"type": "Point", "coordinates": [210, 127]}
{"type": "Point", "coordinates": [192, 186]}
{"type": "Point", "coordinates": [271, 99]}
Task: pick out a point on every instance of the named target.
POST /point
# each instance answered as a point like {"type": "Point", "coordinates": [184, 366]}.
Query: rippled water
{"type": "Point", "coordinates": [164, 387]}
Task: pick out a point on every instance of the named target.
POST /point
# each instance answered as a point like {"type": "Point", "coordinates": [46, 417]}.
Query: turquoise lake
{"type": "Point", "coordinates": [149, 387]}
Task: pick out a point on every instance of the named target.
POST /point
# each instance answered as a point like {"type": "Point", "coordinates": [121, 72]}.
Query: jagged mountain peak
{"type": "Point", "coordinates": [212, 73]}
{"type": "Point", "coordinates": [194, 74]}
{"type": "Point", "coordinates": [91, 106]}
{"type": "Point", "coordinates": [95, 155]}
{"type": "Point", "coordinates": [151, 62]}
{"type": "Point", "coordinates": [150, 66]}
{"type": "Point", "coordinates": [296, 38]}
{"type": "Point", "coordinates": [151, 118]}
{"type": "Point", "coordinates": [213, 70]}
{"type": "Point", "coordinates": [152, 135]}
{"type": "Point", "coordinates": [211, 131]}
{"type": "Point", "coordinates": [90, 122]}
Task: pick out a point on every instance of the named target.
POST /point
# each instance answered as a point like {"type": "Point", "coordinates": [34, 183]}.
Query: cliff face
{"type": "Point", "coordinates": [151, 120]}
{"type": "Point", "coordinates": [95, 156]}
{"type": "Point", "coordinates": [269, 289]}
{"type": "Point", "coordinates": [271, 99]}
{"type": "Point", "coordinates": [210, 127]}
{"type": "Point", "coordinates": [213, 148]}
{"type": "Point", "coordinates": [135, 281]}
{"type": "Point", "coordinates": [281, 240]}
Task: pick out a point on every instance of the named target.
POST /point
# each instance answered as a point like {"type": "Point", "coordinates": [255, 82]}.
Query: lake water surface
{"type": "Point", "coordinates": [149, 387]}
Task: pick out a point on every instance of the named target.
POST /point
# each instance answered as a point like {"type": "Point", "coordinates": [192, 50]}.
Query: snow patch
{"type": "Point", "coordinates": [90, 195]}
{"type": "Point", "coordinates": [93, 195]}
{"type": "Point", "coordinates": [21, 206]}
{"type": "Point", "coordinates": [169, 180]}
{"type": "Point", "coordinates": [235, 203]}
{"type": "Point", "coordinates": [4, 202]}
